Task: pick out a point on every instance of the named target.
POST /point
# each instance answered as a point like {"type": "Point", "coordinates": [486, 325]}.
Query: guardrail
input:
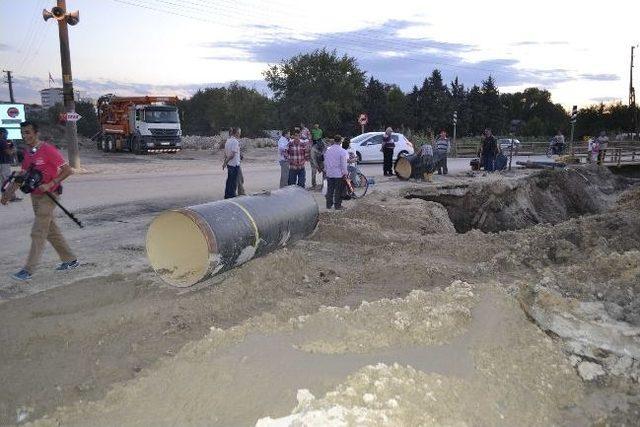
{"type": "Point", "coordinates": [470, 149]}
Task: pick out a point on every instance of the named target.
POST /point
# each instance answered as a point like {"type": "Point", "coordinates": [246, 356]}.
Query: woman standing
{"type": "Point", "coordinates": [387, 151]}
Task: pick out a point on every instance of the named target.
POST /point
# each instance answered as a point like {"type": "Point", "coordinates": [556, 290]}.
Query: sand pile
{"type": "Point", "coordinates": [379, 217]}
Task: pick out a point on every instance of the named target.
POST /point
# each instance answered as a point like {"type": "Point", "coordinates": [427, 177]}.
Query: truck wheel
{"type": "Point", "coordinates": [103, 144]}
{"type": "Point", "coordinates": [135, 146]}
{"type": "Point", "coordinates": [109, 144]}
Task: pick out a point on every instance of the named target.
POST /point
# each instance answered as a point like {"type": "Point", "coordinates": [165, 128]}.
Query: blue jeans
{"type": "Point", "coordinates": [232, 182]}
{"type": "Point", "coordinates": [297, 177]}
{"type": "Point", "coordinates": [489, 161]}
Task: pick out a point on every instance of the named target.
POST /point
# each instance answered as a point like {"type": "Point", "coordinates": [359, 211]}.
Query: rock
{"type": "Point", "coordinates": [622, 366]}
{"type": "Point", "coordinates": [589, 371]}
{"type": "Point", "coordinates": [574, 360]}
{"type": "Point", "coordinates": [614, 310]}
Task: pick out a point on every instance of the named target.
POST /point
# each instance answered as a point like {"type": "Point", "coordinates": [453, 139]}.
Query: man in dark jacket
{"type": "Point", "coordinates": [488, 151]}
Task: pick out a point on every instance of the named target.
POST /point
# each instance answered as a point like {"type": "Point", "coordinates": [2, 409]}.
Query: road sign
{"type": "Point", "coordinates": [363, 119]}
{"type": "Point", "coordinates": [72, 117]}
{"type": "Point", "coordinates": [11, 115]}
{"type": "Point", "coordinates": [574, 114]}
{"type": "Point", "coordinates": [455, 117]}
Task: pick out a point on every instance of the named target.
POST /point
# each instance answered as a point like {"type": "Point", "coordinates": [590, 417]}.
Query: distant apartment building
{"type": "Point", "coordinates": [51, 97]}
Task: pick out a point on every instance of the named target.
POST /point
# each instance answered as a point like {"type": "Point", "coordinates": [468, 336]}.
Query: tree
{"type": "Point", "coordinates": [435, 102]}
{"type": "Point", "coordinates": [492, 108]}
{"type": "Point", "coordinates": [477, 112]}
{"type": "Point", "coordinates": [398, 107]}
{"type": "Point", "coordinates": [88, 125]}
{"type": "Point", "coordinates": [376, 104]}
{"type": "Point", "coordinates": [318, 87]}
{"type": "Point", "coordinates": [214, 109]}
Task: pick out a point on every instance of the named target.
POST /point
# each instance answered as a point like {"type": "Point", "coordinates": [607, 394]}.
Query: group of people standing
{"type": "Point", "coordinates": [297, 148]}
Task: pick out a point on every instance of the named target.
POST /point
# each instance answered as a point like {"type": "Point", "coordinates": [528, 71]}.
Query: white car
{"type": "Point", "coordinates": [505, 144]}
{"type": "Point", "coordinates": [367, 146]}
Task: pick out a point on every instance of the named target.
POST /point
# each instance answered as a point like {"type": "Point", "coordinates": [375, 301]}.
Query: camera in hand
{"type": "Point", "coordinates": [27, 182]}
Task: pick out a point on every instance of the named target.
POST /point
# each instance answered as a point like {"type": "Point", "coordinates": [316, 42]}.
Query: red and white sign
{"type": "Point", "coordinates": [72, 117]}
{"type": "Point", "coordinates": [363, 119]}
{"type": "Point", "coordinates": [13, 112]}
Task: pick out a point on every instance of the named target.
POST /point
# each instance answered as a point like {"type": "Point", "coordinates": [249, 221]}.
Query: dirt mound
{"type": "Point", "coordinates": [379, 217]}
{"type": "Point", "coordinates": [629, 200]}
{"type": "Point", "coordinates": [550, 196]}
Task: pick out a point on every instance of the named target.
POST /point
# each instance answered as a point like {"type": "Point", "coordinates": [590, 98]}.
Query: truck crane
{"type": "Point", "coordinates": [140, 124]}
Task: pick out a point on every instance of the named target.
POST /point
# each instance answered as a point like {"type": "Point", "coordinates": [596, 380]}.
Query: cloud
{"type": "Point", "coordinates": [27, 89]}
{"type": "Point", "coordinates": [605, 99]}
{"type": "Point", "coordinates": [536, 43]}
{"type": "Point", "coordinates": [5, 47]}
{"type": "Point", "coordinates": [600, 77]}
{"type": "Point", "coordinates": [389, 57]}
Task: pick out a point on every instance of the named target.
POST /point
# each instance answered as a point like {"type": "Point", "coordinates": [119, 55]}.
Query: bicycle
{"type": "Point", "coordinates": [554, 148]}
{"type": "Point", "coordinates": [356, 186]}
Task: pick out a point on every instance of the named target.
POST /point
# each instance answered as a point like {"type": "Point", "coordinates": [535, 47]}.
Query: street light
{"type": "Point", "coordinates": [59, 13]}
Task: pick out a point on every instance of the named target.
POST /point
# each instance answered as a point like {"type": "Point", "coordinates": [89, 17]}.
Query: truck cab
{"type": "Point", "coordinates": [155, 127]}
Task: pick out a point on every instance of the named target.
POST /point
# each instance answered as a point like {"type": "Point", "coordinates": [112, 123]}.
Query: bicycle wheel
{"type": "Point", "coordinates": [360, 185]}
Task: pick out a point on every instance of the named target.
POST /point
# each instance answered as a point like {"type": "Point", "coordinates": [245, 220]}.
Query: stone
{"type": "Point", "coordinates": [622, 366]}
{"type": "Point", "coordinates": [589, 371]}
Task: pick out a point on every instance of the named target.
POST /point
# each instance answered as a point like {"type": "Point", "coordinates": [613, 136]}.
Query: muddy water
{"type": "Point", "coordinates": [237, 377]}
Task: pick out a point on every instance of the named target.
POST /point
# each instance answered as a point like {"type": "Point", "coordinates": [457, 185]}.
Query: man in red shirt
{"type": "Point", "coordinates": [46, 159]}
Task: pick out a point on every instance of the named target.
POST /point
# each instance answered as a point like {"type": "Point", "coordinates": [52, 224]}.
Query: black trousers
{"type": "Point", "coordinates": [232, 182]}
{"type": "Point", "coordinates": [387, 167]}
{"type": "Point", "coordinates": [442, 165]}
{"type": "Point", "coordinates": [335, 187]}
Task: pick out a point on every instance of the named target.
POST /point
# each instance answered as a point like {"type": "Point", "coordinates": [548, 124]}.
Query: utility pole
{"type": "Point", "coordinates": [455, 126]}
{"type": "Point", "coordinates": [632, 98]}
{"type": "Point", "coordinates": [59, 12]}
{"type": "Point", "coordinates": [10, 82]}
{"type": "Point", "coordinates": [574, 119]}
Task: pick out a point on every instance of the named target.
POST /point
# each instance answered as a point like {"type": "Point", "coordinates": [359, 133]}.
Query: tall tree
{"type": "Point", "coordinates": [376, 104]}
{"type": "Point", "coordinates": [436, 102]}
{"type": "Point", "coordinates": [318, 87]}
{"type": "Point", "coordinates": [493, 112]}
{"type": "Point", "coordinates": [398, 115]}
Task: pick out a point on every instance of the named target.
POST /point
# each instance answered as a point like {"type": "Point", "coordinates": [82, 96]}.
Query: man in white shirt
{"type": "Point", "coordinates": [283, 145]}
{"type": "Point", "coordinates": [335, 164]}
{"type": "Point", "coordinates": [232, 162]}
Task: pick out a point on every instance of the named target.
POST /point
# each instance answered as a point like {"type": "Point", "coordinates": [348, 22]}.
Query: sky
{"type": "Point", "coordinates": [579, 51]}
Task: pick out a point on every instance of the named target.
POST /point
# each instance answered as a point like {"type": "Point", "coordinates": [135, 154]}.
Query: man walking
{"type": "Point", "coordinates": [335, 162]}
{"type": "Point", "coordinates": [46, 160]}
{"type": "Point", "coordinates": [602, 142]}
{"type": "Point", "coordinates": [297, 154]}
{"type": "Point", "coordinates": [317, 153]}
{"type": "Point", "coordinates": [232, 162]}
{"type": "Point", "coordinates": [283, 145]}
{"type": "Point", "coordinates": [488, 151]}
{"type": "Point", "coordinates": [443, 147]}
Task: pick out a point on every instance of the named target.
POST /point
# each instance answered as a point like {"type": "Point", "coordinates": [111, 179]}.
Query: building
{"type": "Point", "coordinates": [51, 97]}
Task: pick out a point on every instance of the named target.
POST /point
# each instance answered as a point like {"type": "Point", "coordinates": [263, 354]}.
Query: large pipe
{"type": "Point", "coordinates": [188, 245]}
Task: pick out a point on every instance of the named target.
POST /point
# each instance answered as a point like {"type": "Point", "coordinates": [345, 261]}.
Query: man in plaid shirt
{"type": "Point", "coordinates": [297, 154]}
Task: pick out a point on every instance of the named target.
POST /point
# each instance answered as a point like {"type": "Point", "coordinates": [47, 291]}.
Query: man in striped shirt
{"type": "Point", "coordinates": [443, 147]}
{"type": "Point", "coordinates": [297, 155]}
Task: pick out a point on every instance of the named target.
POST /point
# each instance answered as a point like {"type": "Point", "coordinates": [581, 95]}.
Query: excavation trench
{"type": "Point", "coordinates": [549, 196]}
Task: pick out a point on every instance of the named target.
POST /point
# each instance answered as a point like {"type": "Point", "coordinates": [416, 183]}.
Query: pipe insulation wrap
{"type": "Point", "coordinates": [188, 245]}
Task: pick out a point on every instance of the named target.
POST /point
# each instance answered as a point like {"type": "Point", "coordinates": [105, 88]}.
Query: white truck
{"type": "Point", "coordinates": [140, 124]}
